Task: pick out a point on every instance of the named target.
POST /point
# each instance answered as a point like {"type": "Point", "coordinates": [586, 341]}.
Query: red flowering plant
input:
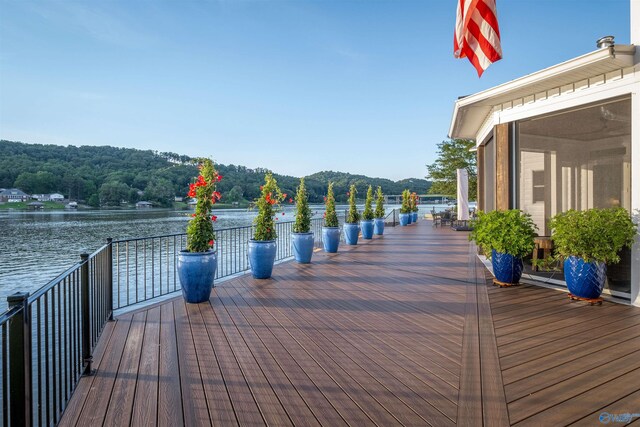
{"type": "Point", "coordinates": [268, 203]}
{"type": "Point", "coordinates": [200, 234]}
{"type": "Point", "coordinates": [414, 202]}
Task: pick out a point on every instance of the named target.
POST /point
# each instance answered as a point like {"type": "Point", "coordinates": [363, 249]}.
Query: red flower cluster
{"type": "Point", "coordinates": [211, 242]}
{"type": "Point", "coordinates": [200, 182]}
{"type": "Point", "coordinates": [270, 200]}
{"type": "Point", "coordinates": [290, 200]}
{"type": "Point", "coordinates": [214, 218]}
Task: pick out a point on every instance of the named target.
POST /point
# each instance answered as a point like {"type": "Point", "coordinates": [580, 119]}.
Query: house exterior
{"type": "Point", "coordinates": [566, 137]}
{"type": "Point", "coordinates": [55, 197]}
{"type": "Point", "coordinates": [13, 195]}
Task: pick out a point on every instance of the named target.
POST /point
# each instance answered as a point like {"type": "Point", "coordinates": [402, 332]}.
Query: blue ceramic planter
{"type": "Point", "coordinates": [506, 267]}
{"type": "Point", "coordinates": [404, 219]}
{"type": "Point", "coordinates": [330, 239]}
{"type": "Point", "coordinates": [262, 254]}
{"type": "Point", "coordinates": [302, 245]}
{"type": "Point", "coordinates": [196, 271]}
{"type": "Point", "coordinates": [410, 216]}
{"type": "Point", "coordinates": [366, 225]}
{"type": "Point", "coordinates": [351, 233]}
{"type": "Point", "coordinates": [584, 279]}
{"type": "Point", "coordinates": [414, 217]}
{"type": "Point", "coordinates": [378, 226]}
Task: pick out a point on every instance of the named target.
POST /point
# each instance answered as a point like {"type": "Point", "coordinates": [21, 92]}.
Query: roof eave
{"type": "Point", "coordinates": [614, 57]}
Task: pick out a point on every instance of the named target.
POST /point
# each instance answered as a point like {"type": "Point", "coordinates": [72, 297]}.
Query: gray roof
{"type": "Point", "coordinates": [13, 192]}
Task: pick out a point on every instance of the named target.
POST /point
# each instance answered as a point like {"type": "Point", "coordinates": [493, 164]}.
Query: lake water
{"type": "Point", "coordinates": [35, 247]}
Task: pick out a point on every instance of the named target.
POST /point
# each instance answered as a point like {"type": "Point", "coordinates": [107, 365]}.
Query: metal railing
{"type": "Point", "coordinates": [47, 338]}
{"type": "Point", "coordinates": [147, 268]}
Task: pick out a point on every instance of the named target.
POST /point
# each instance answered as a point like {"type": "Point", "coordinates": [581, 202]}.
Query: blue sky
{"type": "Point", "coordinates": [295, 86]}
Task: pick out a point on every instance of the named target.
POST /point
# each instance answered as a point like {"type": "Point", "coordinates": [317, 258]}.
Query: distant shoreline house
{"type": "Point", "coordinates": [144, 205]}
{"type": "Point", "coordinates": [566, 137]}
{"type": "Point", "coordinates": [54, 197]}
{"type": "Point", "coordinates": [13, 195]}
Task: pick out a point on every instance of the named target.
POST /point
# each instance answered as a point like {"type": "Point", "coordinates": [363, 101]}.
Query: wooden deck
{"type": "Point", "coordinates": [401, 330]}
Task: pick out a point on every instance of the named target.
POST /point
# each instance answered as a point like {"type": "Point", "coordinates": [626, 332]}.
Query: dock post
{"type": "Point", "coordinates": [20, 360]}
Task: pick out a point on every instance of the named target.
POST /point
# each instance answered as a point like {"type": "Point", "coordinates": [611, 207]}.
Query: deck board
{"type": "Point", "coordinates": [169, 391]}
{"type": "Point", "coordinates": [404, 329]}
{"type": "Point", "coordinates": [145, 401]}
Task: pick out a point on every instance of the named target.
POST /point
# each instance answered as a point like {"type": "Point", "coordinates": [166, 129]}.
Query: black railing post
{"type": "Point", "coordinates": [86, 323]}
{"type": "Point", "coordinates": [110, 278]}
{"type": "Point", "coordinates": [20, 361]}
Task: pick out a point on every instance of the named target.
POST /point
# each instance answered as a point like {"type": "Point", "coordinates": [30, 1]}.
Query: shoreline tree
{"type": "Point", "coordinates": [453, 154]}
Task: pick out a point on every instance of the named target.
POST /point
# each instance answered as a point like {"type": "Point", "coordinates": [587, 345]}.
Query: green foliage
{"type": "Point", "coordinates": [453, 154]}
{"type": "Point", "coordinates": [303, 212]}
{"type": "Point", "coordinates": [160, 191]}
{"type": "Point", "coordinates": [593, 234]}
{"type": "Point", "coordinates": [406, 202]}
{"type": "Point", "coordinates": [113, 193]}
{"type": "Point", "coordinates": [330, 216]}
{"type": "Point", "coordinates": [511, 231]}
{"type": "Point", "coordinates": [353, 216]}
{"type": "Point", "coordinates": [200, 234]}
{"type": "Point", "coordinates": [379, 203]}
{"type": "Point", "coordinates": [317, 184]}
{"type": "Point", "coordinates": [25, 205]}
{"type": "Point", "coordinates": [80, 172]}
{"type": "Point", "coordinates": [270, 198]}
{"type": "Point", "coordinates": [234, 195]}
{"type": "Point", "coordinates": [367, 214]}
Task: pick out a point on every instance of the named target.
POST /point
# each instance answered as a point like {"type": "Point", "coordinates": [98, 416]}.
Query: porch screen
{"type": "Point", "coordinates": [575, 159]}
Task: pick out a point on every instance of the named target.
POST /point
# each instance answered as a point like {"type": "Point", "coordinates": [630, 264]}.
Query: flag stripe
{"type": "Point", "coordinates": [477, 35]}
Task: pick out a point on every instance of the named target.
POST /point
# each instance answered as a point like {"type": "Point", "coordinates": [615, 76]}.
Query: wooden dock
{"type": "Point", "coordinates": [405, 329]}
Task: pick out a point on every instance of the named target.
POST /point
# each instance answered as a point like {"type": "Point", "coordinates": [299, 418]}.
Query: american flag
{"type": "Point", "coordinates": [477, 35]}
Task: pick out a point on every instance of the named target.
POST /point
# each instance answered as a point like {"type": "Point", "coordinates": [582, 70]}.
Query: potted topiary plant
{"type": "Point", "coordinates": [378, 222]}
{"type": "Point", "coordinates": [505, 236]}
{"type": "Point", "coordinates": [197, 263]}
{"type": "Point", "coordinates": [330, 229]}
{"type": "Point", "coordinates": [302, 237]}
{"type": "Point", "coordinates": [351, 229]}
{"type": "Point", "coordinates": [588, 240]}
{"type": "Point", "coordinates": [262, 248]}
{"type": "Point", "coordinates": [414, 207]}
{"type": "Point", "coordinates": [366, 224]}
{"type": "Point", "coordinates": [405, 209]}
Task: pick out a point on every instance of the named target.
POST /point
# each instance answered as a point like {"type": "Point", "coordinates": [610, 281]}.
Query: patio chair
{"type": "Point", "coordinates": [447, 218]}
{"type": "Point", "coordinates": [437, 218]}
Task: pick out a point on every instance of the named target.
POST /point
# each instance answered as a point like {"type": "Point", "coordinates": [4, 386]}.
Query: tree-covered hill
{"type": "Point", "coordinates": [106, 176]}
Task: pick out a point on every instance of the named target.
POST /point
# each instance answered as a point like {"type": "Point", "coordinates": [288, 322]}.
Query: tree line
{"type": "Point", "coordinates": [108, 176]}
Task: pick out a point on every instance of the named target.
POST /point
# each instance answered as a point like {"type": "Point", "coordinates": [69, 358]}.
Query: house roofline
{"type": "Point", "coordinates": [470, 112]}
